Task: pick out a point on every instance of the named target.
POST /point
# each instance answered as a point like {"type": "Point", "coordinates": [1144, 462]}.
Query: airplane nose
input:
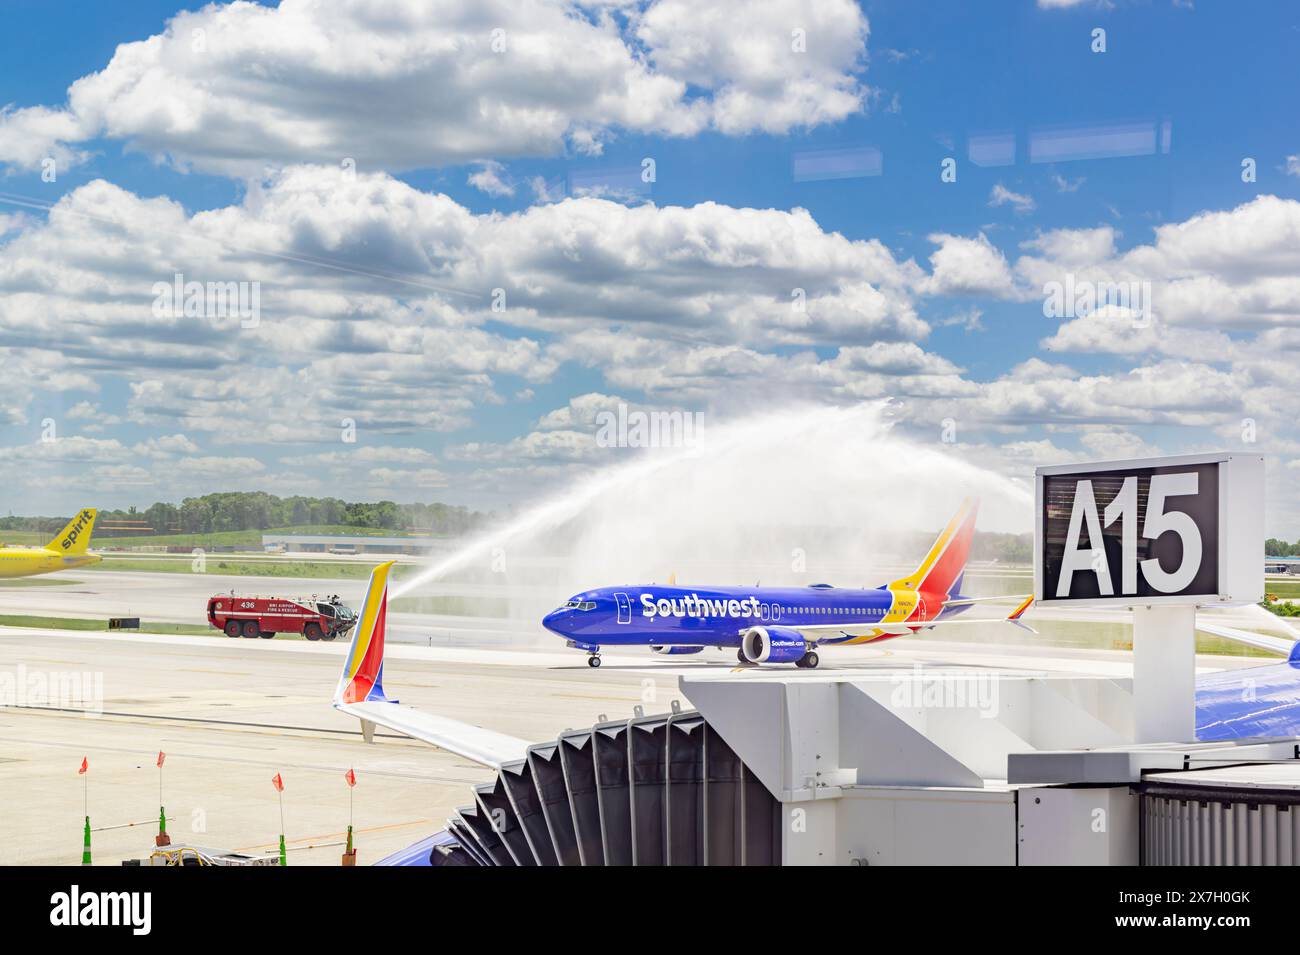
{"type": "Point", "coordinates": [552, 620]}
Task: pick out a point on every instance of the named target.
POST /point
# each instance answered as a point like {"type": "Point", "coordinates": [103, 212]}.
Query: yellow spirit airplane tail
{"type": "Point", "coordinates": [75, 538]}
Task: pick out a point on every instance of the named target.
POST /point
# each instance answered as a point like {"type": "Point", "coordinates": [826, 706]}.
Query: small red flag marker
{"type": "Point", "coordinates": [162, 839]}
{"type": "Point", "coordinates": [350, 854]}
{"type": "Point", "coordinates": [85, 846]}
{"type": "Point", "coordinates": [278, 783]}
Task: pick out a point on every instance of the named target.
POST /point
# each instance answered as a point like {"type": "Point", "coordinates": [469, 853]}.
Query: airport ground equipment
{"type": "Point", "coordinates": [255, 616]}
{"type": "Point", "coordinates": [187, 855]}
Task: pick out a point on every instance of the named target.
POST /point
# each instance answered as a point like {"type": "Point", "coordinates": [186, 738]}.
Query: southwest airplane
{"type": "Point", "coordinates": [68, 549]}
{"type": "Point", "coordinates": [777, 624]}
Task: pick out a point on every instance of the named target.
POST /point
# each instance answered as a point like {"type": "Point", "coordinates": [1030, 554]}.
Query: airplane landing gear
{"type": "Point", "coordinates": [593, 660]}
{"type": "Point", "coordinates": [744, 660]}
{"type": "Point", "coordinates": [808, 661]}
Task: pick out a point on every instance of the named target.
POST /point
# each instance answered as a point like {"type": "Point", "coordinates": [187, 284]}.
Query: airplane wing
{"type": "Point", "coordinates": [965, 601]}
{"type": "Point", "coordinates": [482, 746]}
{"type": "Point", "coordinates": [360, 692]}
{"type": "Point", "coordinates": [1206, 622]}
{"type": "Point", "coordinates": [1288, 645]}
{"type": "Point", "coordinates": [1261, 640]}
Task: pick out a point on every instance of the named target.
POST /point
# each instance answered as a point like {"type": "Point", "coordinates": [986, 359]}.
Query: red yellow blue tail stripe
{"type": "Point", "coordinates": [363, 671]}
{"type": "Point", "coordinates": [942, 566]}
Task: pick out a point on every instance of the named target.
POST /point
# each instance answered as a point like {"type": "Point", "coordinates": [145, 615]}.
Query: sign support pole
{"type": "Point", "coordinates": [1164, 673]}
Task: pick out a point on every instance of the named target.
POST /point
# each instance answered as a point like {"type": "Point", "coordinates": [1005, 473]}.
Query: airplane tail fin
{"type": "Point", "coordinates": [362, 679]}
{"type": "Point", "coordinates": [75, 537]}
{"type": "Point", "coordinates": [942, 570]}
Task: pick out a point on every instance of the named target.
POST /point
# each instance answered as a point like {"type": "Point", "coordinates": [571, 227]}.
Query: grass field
{"type": "Point", "coordinates": [249, 539]}
{"type": "Point", "coordinates": [24, 538]}
{"type": "Point", "coordinates": [1283, 588]}
{"type": "Point", "coordinates": [22, 583]}
{"type": "Point", "coordinates": [77, 623]}
{"type": "Point", "coordinates": [246, 567]}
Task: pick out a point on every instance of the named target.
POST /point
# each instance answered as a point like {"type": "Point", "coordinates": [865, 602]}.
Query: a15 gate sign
{"type": "Point", "coordinates": [1161, 530]}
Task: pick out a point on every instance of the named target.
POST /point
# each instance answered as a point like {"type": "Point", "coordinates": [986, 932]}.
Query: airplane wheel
{"type": "Point", "coordinates": [593, 661]}
{"type": "Point", "coordinates": [328, 636]}
{"type": "Point", "coordinates": [810, 660]}
{"type": "Point", "coordinates": [251, 629]}
{"type": "Point", "coordinates": [740, 655]}
{"type": "Point", "coordinates": [232, 628]}
{"type": "Point", "coordinates": [312, 631]}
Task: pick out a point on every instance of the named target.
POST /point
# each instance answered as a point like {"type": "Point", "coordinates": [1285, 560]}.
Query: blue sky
{"type": "Point", "coordinates": [927, 291]}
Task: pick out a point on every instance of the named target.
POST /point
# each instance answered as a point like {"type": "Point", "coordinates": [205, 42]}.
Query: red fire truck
{"type": "Point", "coordinates": [315, 618]}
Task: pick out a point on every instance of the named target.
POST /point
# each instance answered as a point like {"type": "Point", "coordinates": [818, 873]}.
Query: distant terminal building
{"type": "Point", "coordinates": [1282, 565]}
{"type": "Point", "coordinates": [342, 544]}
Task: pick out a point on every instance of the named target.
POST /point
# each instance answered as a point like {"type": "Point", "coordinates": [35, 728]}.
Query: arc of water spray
{"type": "Point", "coordinates": [556, 511]}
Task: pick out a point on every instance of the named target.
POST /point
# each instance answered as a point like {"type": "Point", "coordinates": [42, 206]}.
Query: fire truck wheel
{"type": "Point", "coordinates": [328, 636]}
{"type": "Point", "coordinates": [232, 628]}
{"type": "Point", "coordinates": [312, 631]}
{"type": "Point", "coordinates": [267, 634]}
{"type": "Point", "coordinates": [251, 629]}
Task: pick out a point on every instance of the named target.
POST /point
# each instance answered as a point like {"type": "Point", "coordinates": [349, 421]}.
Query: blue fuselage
{"type": "Point", "coordinates": [717, 616]}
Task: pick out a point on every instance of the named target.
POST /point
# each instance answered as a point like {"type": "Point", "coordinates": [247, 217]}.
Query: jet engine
{"type": "Point", "coordinates": [773, 645]}
{"type": "Point", "coordinates": [674, 651]}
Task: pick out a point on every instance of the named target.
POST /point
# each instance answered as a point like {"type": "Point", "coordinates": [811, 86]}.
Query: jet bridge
{"type": "Point", "coordinates": [650, 790]}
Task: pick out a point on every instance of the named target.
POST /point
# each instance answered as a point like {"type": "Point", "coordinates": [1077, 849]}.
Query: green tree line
{"type": "Point", "coordinates": [1279, 548]}
{"type": "Point", "coordinates": [257, 510]}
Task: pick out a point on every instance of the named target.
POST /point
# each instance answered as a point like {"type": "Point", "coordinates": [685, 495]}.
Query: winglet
{"type": "Point", "coordinates": [1016, 614]}
{"type": "Point", "coordinates": [362, 679]}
